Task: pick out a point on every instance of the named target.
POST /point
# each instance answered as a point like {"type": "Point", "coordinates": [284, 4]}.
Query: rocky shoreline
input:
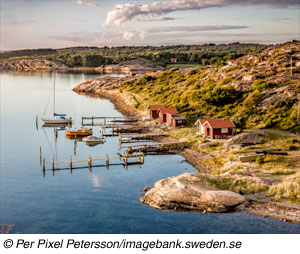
{"type": "Point", "coordinates": [257, 204]}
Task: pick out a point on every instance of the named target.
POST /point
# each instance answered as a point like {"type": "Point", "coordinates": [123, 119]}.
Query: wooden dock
{"type": "Point", "coordinates": [102, 120]}
{"type": "Point", "coordinates": [70, 163]}
{"type": "Point", "coordinates": [131, 138]}
{"type": "Point", "coordinates": [156, 147]}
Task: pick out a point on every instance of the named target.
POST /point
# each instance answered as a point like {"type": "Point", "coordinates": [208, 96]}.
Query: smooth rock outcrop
{"type": "Point", "coordinates": [189, 191]}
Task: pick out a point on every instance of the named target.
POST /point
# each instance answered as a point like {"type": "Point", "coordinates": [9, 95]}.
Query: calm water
{"type": "Point", "coordinates": [101, 201]}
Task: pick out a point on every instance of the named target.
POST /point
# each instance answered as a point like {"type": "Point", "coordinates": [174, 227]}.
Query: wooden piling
{"type": "Point", "coordinates": [75, 146]}
{"type": "Point", "coordinates": [92, 121]}
{"type": "Point", "coordinates": [101, 132]}
{"type": "Point", "coordinates": [70, 164]}
{"type": "Point", "coordinates": [53, 166]}
{"type": "Point", "coordinates": [142, 159]}
{"type": "Point", "coordinates": [90, 162]}
{"type": "Point", "coordinates": [44, 166]}
{"type": "Point", "coordinates": [40, 156]}
{"type": "Point", "coordinates": [37, 122]}
{"type": "Point", "coordinates": [107, 160]}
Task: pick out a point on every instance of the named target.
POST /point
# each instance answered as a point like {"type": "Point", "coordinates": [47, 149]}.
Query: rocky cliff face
{"type": "Point", "coordinates": [277, 65]}
{"type": "Point", "coordinates": [31, 65]}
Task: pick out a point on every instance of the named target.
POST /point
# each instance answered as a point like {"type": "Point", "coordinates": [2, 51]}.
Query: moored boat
{"type": "Point", "coordinates": [61, 119]}
{"type": "Point", "coordinates": [79, 132]}
{"type": "Point", "coordinates": [92, 140]}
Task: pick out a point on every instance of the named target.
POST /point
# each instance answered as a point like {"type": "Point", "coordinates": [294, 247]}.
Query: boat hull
{"type": "Point", "coordinates": [57, 120]}
{"type": "Point", "coordinates": [79, 133]}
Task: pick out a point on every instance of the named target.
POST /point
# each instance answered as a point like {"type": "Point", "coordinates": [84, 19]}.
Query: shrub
{"type": "Point", "coordinates": [260, 159]}
{"type": "Point", "coordinates": [262, 85]}
{"type": "Point", "coordinates": [225, 80]}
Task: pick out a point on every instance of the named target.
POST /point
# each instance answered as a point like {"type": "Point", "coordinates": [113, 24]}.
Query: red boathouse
{"type": "Point", "coordinates": [175, 120]}
{"type": "Point", "coordinates": [153, 110]}
{"type": "Point", "coordinates": [218, 129]}
{"type": "Point", "coordinates": [162, 113]}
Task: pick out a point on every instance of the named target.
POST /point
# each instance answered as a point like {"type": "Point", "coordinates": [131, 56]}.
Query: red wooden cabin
{"type": "Point", "coordinates": [175, 120]}
{"type": "Point", "coordinates": [153, 110]}
{"type": "Point", "coordinates": [162, 113]}
{"type": "Point", "coordinates": [218, 129]}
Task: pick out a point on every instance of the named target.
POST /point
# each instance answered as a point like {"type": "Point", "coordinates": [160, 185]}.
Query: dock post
{"type": "Point", "coordinates": [40, 156]}
{"type": "Point", "coordinates": [104, 120]}
{"type": "Point", "coordinates": [142, 159]}
{"type": "Point", "coordinates": [70, 164]}
{"type": "Point", "coordinates": [101, 131]}
{"type": "Point", "coordinates": [90, 163]}
{"type": "Point", "coordinates": [53, 166]}
{"type": "Point", "coordinates": [120, 139]}
{"type": "Point", "coordinates": [92, 121]}
{"type": "Point", "coordinates": [37, 122]}
{"type": "Point", "coordinates": [82, 121]}
{"type": "Point", "coordinates": [55, 133]}
{"type": "Point", "coordinates": [44, 168]}
{"type": "Point", "coordinates": [75, 146]}
{"type": "Point", "coordinates": [107, 160]}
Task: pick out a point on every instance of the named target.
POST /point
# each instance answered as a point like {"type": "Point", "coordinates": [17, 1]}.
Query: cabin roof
{"type": "Point", "coordinates": [220, 124]}
{"type": "Point", "coordinates": [202, 121]}
{"type": "Point", "coordinates": [156, 107]}
{"type": "Point", "coordinates": [177, 117]}
{"type": "Point", "coordinates": [168, 110]}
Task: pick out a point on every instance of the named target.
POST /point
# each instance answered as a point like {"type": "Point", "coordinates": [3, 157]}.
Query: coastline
{"type": "Point", "coordinates": [257, 204]}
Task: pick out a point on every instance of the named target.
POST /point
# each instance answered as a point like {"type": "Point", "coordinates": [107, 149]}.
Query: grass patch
{"type": "Point", "coordinates": [241, 186]}
{"type": "Point", "coordinates": [289, 188]}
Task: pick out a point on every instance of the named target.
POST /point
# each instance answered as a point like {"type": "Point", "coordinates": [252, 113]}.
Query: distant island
{"type": "Point", "coordinates": [93, 57]}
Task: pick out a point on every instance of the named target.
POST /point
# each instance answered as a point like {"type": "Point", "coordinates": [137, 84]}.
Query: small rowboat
{"type": "Point", "coordinates": [92, 140]}
{"type": "Point", "coordinates": [79, 132]}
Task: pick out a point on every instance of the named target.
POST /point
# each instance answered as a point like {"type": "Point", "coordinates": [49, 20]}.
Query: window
{"type": "Point", "coordinates": [224, 130]}
{"type": "Point", "coordinates": [179, 121]}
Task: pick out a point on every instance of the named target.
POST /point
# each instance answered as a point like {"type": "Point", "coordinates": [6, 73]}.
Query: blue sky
{"type": "Point", "coordinates": [66, 23]}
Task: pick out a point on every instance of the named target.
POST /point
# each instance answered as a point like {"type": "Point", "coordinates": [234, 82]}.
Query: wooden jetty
{"type": "Point", "coordinates": [156, 147]}
{"type": "Point", "coordinates": [94, 120]}
{"type": "Point", "coordinates": [70, 163]}
{"type": "Point", "coordinates": [131, 138]}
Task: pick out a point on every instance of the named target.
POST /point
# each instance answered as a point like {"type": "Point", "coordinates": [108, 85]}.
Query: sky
{"type": "Point", "coordinates": [67, 23]}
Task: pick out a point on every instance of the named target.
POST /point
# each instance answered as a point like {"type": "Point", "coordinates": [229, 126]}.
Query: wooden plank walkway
{"type": "Point", "coordinates": [154, 145]}
{"type": "Point", "coordinates": [105, 119]}
{"type": "Point", "coordinates": [124, 158]}
{"type": "Point", "coordinates": [131, 138]}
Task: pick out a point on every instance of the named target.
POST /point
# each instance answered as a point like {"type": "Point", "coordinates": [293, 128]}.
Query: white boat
{"type": "Point", "coordinates": [92, 140]}
{"type": "Point", "coordinates": [56, 118]}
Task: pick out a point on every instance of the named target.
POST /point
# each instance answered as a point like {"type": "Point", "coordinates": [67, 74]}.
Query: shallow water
{"type": "Point", "coordinates": [101, 201]}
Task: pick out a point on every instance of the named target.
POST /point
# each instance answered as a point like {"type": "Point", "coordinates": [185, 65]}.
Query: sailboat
{"type": "Point", "coordinates": [56, 119]}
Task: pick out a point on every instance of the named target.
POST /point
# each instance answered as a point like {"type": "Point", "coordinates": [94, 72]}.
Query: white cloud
{"type": "Point", "coordinates": [125, 12]}
{"type": "Point", "coordinates": [128, 35]}
{"type": "Point", "coordinates": [87, 3]}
